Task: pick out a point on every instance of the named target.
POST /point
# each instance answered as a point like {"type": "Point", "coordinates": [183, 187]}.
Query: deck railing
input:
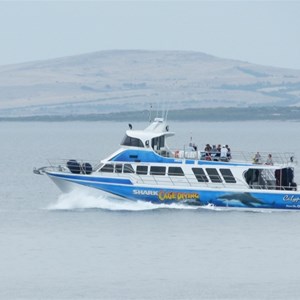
{"type": "Point", "coordinates": [278, 158]}
{"type": "Point", "coordinates": [267, 180]}
{"type": "Point", "coordinates": [60, 165]}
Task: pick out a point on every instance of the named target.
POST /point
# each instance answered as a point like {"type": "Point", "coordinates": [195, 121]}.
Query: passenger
{"type": "Point", "coordinates": [269, 160]}
{"type": "Point", "coordinates": [228, 152]}
{"type": "Point", "coordinates": [224, 152]}
{"type": "Point", "coordinates": [214, 153]}
{"type": "Point", "coordinates": [195, 147]}
{"type": "Point", "coordinates": [218, 151]}
{"type": "Point", "coordinates": [214, 149]}
{"type": "Point", "coordinates": [257, 158]}
{"type": "Point", "coordinates": [207, 148]}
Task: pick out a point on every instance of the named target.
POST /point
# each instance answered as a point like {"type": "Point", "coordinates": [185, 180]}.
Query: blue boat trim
{"type": "Point", "coordinates": [152, 157]}
{"type": "Point", "coordinates": [169, 195]}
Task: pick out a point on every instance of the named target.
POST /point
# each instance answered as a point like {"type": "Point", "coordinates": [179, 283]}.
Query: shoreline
{"type": "Point", "coordinates": [186, 115]}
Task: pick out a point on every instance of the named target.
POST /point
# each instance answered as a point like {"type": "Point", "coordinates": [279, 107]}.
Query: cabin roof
{"type": "Point", "coordinates": [156, 129]}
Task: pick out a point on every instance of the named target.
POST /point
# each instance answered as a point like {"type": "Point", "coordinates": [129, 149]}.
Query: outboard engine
{"type": "Point", "coordinates": [73, 166]}
{"type": "Point", "coordinates": [87, 168]}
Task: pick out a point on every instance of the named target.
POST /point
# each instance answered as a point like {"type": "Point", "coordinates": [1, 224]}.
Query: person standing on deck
{"type": "Point", "coordinates": [224, 152]}
{"type": "Point", "coordinates": [269, 160]}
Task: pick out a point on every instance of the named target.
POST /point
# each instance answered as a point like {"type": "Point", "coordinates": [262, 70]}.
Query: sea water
{"type": "Point", "coordinates": [78, 246]}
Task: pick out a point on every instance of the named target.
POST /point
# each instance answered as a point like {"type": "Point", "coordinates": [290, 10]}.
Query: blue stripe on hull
{"type": "Point", "coordinates": [76, 178]}
{"type": "Point", "coordinates": [124, 188]}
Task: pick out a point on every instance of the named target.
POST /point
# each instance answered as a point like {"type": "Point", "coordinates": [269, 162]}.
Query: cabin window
{"type": "Point", "coordinates": [128, 168]}
{"type": "Point", "coordinates": [285, 179]}
{"type": "Point", "coordinates": [213, 175]}
{"type": "Point", "coordinates": [227, 175]}
{"type": "Point", "coordinates": [200, 175]}
{"type": "Point", "coordinates": [118, 168]}
{"type": "Point", "coordinates": [262, 178]}
{"type": "Point", "coordinates": [253, 176]}
{"type": "Point", "coordinates": [157, 170]}
{"type": "Point", "coordinates": [175, 171]}
{"type": "Point", "coordinates": [108, 168]}
{"type": "Point", "coordinates": [130, 141]}
{"type": "Point", "coordinates": [142, 170]}
{"type": "Point", "coordinates": [158, 143]}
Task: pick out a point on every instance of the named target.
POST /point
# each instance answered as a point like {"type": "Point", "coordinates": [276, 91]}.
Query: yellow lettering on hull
{"type": "Point", "coordinates": [177, 196]}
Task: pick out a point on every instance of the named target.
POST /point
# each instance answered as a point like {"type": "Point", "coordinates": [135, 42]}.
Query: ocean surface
{"type": "Point", "coordinates": [78, 246]}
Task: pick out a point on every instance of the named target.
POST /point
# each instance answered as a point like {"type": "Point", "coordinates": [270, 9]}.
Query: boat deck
{"type": "Point", "coordinates": [287, 159]}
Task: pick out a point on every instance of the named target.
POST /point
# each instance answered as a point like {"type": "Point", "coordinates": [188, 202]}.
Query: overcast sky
{"type": "Point", "coordinates": [261, 32]}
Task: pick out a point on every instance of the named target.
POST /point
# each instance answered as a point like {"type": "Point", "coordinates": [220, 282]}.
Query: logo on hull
{"type": "Point", "coordinates": [168, 196]}
{"type": "Point", "coordinates": [291, 198]}
{"type": "Point", "coordinates": [178, 196]}
{"type": "Point", "coordinates": [145, 192]}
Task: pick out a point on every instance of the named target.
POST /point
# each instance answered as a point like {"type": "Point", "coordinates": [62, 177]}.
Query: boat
{"type": "Point", "coordinates": [144, 168]}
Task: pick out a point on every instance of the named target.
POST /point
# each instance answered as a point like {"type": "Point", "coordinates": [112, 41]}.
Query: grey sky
{"type": "Point", "coordinates": [262, 32]}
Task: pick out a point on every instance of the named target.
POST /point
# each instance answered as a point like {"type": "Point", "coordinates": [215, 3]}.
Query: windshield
{"type": "Point", "coordinates": [130, 141]}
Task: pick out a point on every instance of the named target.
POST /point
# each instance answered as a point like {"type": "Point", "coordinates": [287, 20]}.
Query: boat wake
{"type": "Point", "coordinates": [83, 201]}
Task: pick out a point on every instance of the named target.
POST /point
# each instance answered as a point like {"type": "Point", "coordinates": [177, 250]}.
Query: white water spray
{"type": "Point", "coordinates": [81, 200]}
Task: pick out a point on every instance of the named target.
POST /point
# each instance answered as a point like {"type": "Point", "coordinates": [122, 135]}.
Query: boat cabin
{"type": "Point", "coordinates": [153, 137]}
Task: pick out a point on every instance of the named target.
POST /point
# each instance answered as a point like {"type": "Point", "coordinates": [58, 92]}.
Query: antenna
{"type": "Point", "coordinates": [167, 104]}
{"type": "Point", "coordinates": [167, 111]}
{"type": "Point", "coordinates": [150, 113]}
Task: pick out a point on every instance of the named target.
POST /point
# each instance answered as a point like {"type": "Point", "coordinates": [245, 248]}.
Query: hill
{"type": "Point", "coordinates": [122, 81]}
